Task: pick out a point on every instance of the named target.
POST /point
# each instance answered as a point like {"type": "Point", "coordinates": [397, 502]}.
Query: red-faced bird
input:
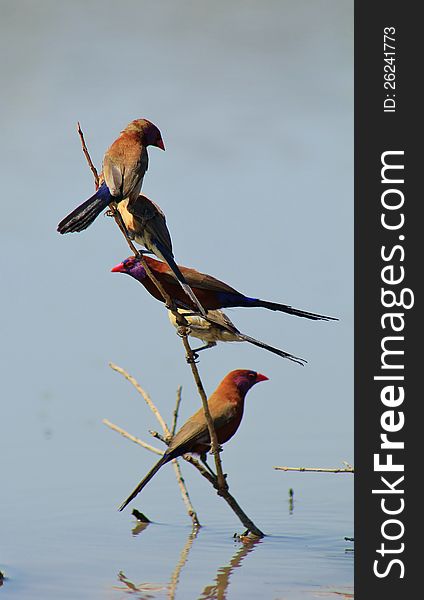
{"type": "Point", "coordinates": [146, 224]}
{"type": "Point", "coordinates": [220, 328]}
{"type": "Point", "coordinates": [124, 166]}
{"type": "Point", "coordinates": [226, 407]}
{"type": "Point", "coordinates": [211, 293]}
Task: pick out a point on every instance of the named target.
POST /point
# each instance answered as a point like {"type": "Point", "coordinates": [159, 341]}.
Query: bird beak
{"type": "Point", "coordinates": [160, 144]}
{"type": "Point", "coordinates": [118, 269]}
{"type": "Point", "coordinates": [260, 377]}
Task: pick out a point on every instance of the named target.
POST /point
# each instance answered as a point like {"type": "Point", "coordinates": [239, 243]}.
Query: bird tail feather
{"type": "Point", "coordinates": [145, 481]}
{"type": "Point", "coordinates": [84, 215]}
{"type": "Point", "coordinates": [169, 259]}
{"type": "Point", "coordinates": [289, 309]}
{"type": "Point", "coordinates": [296, 359]}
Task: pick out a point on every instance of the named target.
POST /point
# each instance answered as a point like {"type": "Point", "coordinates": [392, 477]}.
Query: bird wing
{"type": "Point", "coordinates": [151, 218]}
{"type": "Point", "coordinates": [195, 431]}
{"type": "Point", "coordinates": [216, 327]}
{"type": "Point", "coordinates": [195, 279]}
{"type": "Point", "coordinates": [135, 167]}
{"type": "Point", "coordinates": [221, 319]}
{"type": "Point", "coordinates": [207, 282]}
{"type": "Point", "coordinates": [112, 175]}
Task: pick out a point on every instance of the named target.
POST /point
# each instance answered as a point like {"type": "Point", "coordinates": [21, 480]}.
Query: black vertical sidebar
{"type": "Point", "coordinates": [388, 213]}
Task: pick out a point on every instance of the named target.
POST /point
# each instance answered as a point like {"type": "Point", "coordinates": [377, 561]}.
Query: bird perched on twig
{"type": "Point", "coordinates": [226, 406]}
{"type": "Point", "coordinates": [211, 293]}
{"type": "Point", "coordinates": [124, 165]}
{"type": "Point", "coordinates": [145, 223]}
{"type": "Point", "coordinates": [219, 328]}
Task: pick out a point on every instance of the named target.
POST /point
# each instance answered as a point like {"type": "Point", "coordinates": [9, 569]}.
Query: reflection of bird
{"type": "Point", "coordinates": [210, 292]}
{"type": "Point", "coordinates": [219, 328]}
{"type": "Point", "coordinates": [146, 224]}
{"type": "Point", "coordinates": [124, 166]}
{"type": "Point", "coordinates": [226, 407]}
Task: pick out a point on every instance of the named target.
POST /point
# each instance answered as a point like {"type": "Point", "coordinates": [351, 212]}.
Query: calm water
{"type": "Point", "coordinates": [255, 102]}
{"type": "Point", "coordinates": [91, 552]}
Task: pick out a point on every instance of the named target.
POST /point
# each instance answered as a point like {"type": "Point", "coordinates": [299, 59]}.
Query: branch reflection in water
{"type": "Point", "coordinates": [216, 591]}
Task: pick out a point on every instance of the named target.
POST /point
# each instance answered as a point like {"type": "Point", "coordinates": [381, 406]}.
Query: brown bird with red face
{"type": "Point", "coordinates": [124, 165]}
{"type": "Point", "coordinates": [226, 406]}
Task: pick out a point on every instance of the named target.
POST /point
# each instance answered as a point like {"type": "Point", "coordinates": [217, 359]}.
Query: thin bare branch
{"type": "Point", "coordinates": [225, 494]}
{"type": "Point", "coordinates": [87, 156]}
{"type": "Point", "coordinates": [204, 472]}
{"type": "Point", "coordinates": [144, 394]}
{"type": "Point", "coordinates": [132, 437]}
{"type": "Point", "coordinates": [348, 469]}
{"type": "Point", "coordinates": [185, 495]}
{"type": "Point", "coordinates": [212, 433]}
{"type": "Point", "coordinates": [158, 436]}
{"type": "Point", "coordinates": [176, 409]}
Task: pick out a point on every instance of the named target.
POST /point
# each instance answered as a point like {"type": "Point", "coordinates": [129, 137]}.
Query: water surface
{"type": "Point", "coordinates": [254, 101]}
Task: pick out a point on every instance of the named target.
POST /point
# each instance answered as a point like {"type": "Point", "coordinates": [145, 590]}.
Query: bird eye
{"type": "Point", "coordinates": [251, 374]}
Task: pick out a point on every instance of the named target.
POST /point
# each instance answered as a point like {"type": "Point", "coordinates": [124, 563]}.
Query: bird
{"type": "Point", "coordinates": [211, 292]}
{"type": "Point", "coordinates": [124, 165]}
{"type": "Point", "coordinates": [226, 406]}
{"type": "Point", "coordinates": [145, 223]}
{"type": "Point", "coordinates": [219, 328]}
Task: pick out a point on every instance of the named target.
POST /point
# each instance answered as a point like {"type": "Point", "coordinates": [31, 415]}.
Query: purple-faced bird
{"type": "Point", "coordinates": [220, 328]}
{"type": "Point", "coordinates": [124, 166]}
{"type": "Point", "coordinates": [211, 293]}
{"type": "Point", "coordinates": [146, 224]}
{"type": "Point", "coordinates": [226, 406]}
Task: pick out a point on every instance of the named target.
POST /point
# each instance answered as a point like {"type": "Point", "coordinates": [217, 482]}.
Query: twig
{"type": "Point", "coordinates": [158, 436]}
{"type": "Point", "coordinates": [222, 484]}
{"type": "Point", "coordinates": [144, 394]}
{"type": "Point", "coordinates": [347, 469]}
{"type": "Point", "coordinates": [87, 156]}
{"type": "Point", "coordinates": [132, 437]}
{"type": "Point", "coordinates": [204, 472]}
{"type": "Point", "coordinates": [176, 409]}
{"type": "Point", "coordinates": [166, 438]}
{"type": "Point", "coordinates": [225, 494]}
{"type": "Point", "coordinates": [185, 495]}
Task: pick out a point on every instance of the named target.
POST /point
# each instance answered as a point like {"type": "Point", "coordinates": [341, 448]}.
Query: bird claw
{"type": "Point", "coordinates": [219, 449]}
{"type": "Point", "coordinates": [193, 359]}
{"type": "Point", "coordinates": [183, 331]}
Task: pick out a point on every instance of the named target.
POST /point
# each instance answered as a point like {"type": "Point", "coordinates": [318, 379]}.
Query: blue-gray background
{"type": "Point", "coordinates": [254, 101]}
